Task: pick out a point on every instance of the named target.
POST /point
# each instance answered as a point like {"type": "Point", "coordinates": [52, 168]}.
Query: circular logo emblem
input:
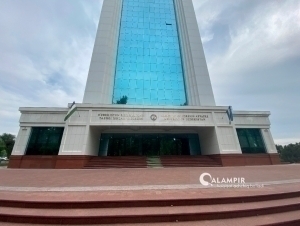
{"type": "Point", "coordinates": [153, 117]}
{"type": "Point", "coordinates": [204, 182]}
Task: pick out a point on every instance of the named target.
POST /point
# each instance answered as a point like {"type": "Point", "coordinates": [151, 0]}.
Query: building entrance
{"type": "Point", "coordinates": [130, 144]}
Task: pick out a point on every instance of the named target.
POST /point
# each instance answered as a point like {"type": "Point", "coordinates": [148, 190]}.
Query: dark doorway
{"type": "Point", "coordinates": [150, 144]}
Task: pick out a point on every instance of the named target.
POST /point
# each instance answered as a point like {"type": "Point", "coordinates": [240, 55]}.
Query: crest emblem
{"type": "Point", "coordinates": [153, 117]}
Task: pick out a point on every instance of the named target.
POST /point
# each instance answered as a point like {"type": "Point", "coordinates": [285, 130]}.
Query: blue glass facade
{"type": "Point", "coordinates": [149, 68]}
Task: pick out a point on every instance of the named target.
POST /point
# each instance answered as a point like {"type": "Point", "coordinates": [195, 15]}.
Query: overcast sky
{"type": "Point", "coordinates": [252, 49]}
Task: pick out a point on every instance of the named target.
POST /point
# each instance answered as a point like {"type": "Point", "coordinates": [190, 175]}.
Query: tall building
{"type": "Point", "coordinates": [148, 93]}
{"type": "Point", "coordinates": [151, 52]}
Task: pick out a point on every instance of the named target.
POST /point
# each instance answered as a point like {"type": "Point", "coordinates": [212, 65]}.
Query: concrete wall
{"type": "Point", "coordinates": [269, 142]}
{"type": "Point", "coordinates": [83, 129]}
{"type": "Point", "coordinates": [21, 141]}
{"type": "Point", "coordinates": [74, 140]}
{"type": "Point", "coordinates": [100, 81]}
{"type": "Point", "coordinates": [208, 141]}
{"type": "Point", "coordinates": [36, 117]}
{"type": "Point", "coordinates": [228, 140]}
{"type": "Point", "coordinates": [198, 85]}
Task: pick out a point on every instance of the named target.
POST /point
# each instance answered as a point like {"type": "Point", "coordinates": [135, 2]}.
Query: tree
{"type": "Point", "coordinates": [289, 153]}
{"type": "Point", "coordinates": [9, 141]}
{"type": "Point", "coordinates": [123, 100]}
{"type": "Point", "coordinates": [184, 104]}
{"type": "Point", "coordinates": [279, 148]}
{"type": "Point", "coordinates": [2, 148]}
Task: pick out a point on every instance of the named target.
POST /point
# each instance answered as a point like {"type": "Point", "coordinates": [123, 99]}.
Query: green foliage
{"type": "Point", "coordinates": [184, 104]}
{"type": "Point", "coordinates": [289, 153]}
{"type": "Point", "coordinates": [2, 148]}
{"type": "Point", "coordinates": [279, 148]}
{"type": "Point", "coordinates": [9, 141]}
{"type": "Point", "coordinates": [123, 100]}
{"type": "Point", "coordinates": [3, 153]}
{"type": "Point", "coordinates": [2, 144]}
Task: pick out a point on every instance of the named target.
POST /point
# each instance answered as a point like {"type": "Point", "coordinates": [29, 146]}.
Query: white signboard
{"type": "Point", "coordinates": [101, 117]}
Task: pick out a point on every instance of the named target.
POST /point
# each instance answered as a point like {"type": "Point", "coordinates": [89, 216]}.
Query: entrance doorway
{"type": "Point", "coordinates": [160, 144]}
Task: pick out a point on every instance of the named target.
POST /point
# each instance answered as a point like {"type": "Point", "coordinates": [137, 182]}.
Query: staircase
{"type": "Point", "coordinates": [154, 162]}
{"type": "Point", "coordinates": [150, 162]}
{"type": "Point", "coordinates": [268, 209]}
{"type": "Point", "coordinates": [188, 161]}
{"type": "Point", "coordinates": [117, 162]}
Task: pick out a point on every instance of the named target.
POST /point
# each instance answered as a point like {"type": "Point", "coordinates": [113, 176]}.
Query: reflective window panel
{"type": "Point", "coordinates": [150, 144]}
{"type": "Point", "coordinates": [251, 141]}
{"type": "Point", "coordinates": [149, 68]}
{"type": "Point", "coordinates": [44, 141]}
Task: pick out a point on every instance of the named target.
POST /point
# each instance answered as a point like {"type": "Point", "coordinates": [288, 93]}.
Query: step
{"type": "Point", "coordinates": [121, 165]}
{"type": "Point", "coordinates": [110, 161]}
{"type": "Point", "coordinates": [279, 219]}
{"type": "Point", "coordinates": [147, 214]}
{"type": "Point", "coordinates": [154, 162]}
{"type": "Point", "coordinates": [191, 160]}
{"type": "Point", "coordinates": [188, 160]}
{"type": "Point", "coordinates": [151, 162]}
{"type": "Point", "coordinates": [191, 163]}
{"type": "Point", "coordinates": [291, 218]}
{"type": "Point", "coordinates": [116, 162]}
{"type": "Point", "coordinates": [174, 166]}
{"type": "Point", "coordinates": [146, 202]}
{"type": "Point", "coordinates": [112, 166]}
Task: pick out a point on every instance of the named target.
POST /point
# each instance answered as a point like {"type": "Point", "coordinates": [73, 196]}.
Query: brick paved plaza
{"type": "Point", "coordinates": [150, 185]}
{"type": "Point", "coordinates": [138, 177]}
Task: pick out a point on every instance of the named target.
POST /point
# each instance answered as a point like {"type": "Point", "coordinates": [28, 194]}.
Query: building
{"type": "Point", "coordinates": [149, 55]}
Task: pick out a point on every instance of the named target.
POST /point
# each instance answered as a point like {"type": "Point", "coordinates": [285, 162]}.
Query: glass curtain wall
{"type": "Point", "coordinates": [251, 141]}
{"type": "Point", "coordinates": [149, 67]}
{"type": "Point", "coordinates": [150, 144]}
{"type": "Point", "coordinates": [44, 141]}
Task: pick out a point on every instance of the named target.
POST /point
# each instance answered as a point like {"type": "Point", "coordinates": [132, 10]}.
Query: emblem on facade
{"type": "Point", "coordinates": [153, 117]}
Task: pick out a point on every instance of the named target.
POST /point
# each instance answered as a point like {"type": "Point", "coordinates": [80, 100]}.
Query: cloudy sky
{"type": "Point", "coordinates": [252, 49]}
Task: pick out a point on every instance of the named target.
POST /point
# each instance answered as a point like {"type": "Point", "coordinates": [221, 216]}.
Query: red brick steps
{"type": "Point", "coordinates": [141, 162]}
{"type": "Point", "coordinates": [147, 202]}
{"type": "Point", "coordinates": [117, 162]}
{"type": "Point", "coordinates": [150, 211]}
{"type": "Point", "coordinates": [188, 161]}
{"type": "Point", "coordinates": [279, 219]}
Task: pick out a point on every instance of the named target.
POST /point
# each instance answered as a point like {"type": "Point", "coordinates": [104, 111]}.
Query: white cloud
{"type": "Point", "coordinates": [251, 48]}
{"type": "Point", "coordinates": [45, 54]}
{"type": "Point", "coordinates": [208, 12]}
{"type": "Point", "coordinates": [253, 54]}
{"type": "Point", "coordinates": [267, 35]}
{"type": "Point", "coordinates": [287, 141]}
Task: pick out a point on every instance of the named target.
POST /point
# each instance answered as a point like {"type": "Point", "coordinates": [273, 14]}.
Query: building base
{"type": "Point", "coordinates": [106, 130]}
{"type": "Point", "coordinates": [78, 162]}
{"type": "Point", "coordinates": [247, 159]}
{"type": "Point", "coordinates": [48, 162]}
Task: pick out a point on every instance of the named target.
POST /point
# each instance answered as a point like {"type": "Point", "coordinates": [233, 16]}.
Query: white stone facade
{"type": "Point", "coordinates": [82, 131]}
